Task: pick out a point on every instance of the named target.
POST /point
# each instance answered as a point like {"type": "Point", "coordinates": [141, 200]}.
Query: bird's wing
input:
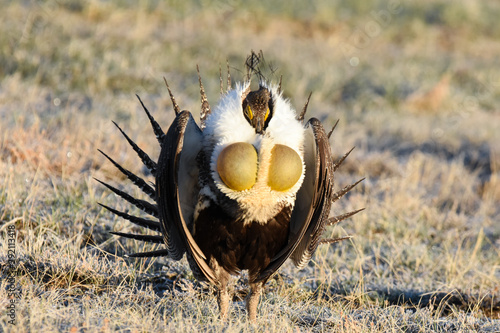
{"type": "Point", "coordinates": [313, 202]}
{"type": "Point", "coordinates": [176, 189]}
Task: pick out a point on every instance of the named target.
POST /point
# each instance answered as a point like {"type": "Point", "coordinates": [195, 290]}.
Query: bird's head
{"type": "Point", "coordinates": [258, 108]}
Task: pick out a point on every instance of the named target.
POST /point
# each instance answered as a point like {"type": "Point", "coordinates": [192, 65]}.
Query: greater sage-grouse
{"type": "Point", "coordinates": [246, 189]}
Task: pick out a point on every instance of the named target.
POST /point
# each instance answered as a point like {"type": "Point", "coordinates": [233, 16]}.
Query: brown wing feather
{"type": "Point", "coordinates": [178, 158]}
{"type": "Point", "coordinates": [313, 202]}
{"type": "Point", "coordinates": [322, 198]}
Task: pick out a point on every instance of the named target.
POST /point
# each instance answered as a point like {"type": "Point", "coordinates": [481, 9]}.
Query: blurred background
{"type": "Point", "coordinates": [396, 71]}
{"type": "Point", "coordinates": [415, 85]}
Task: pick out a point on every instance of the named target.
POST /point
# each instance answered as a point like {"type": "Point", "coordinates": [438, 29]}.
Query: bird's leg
{"type": "Point", "coordinates": [253, 300]}
{"type": "Point", "coordinates": [223, 294]}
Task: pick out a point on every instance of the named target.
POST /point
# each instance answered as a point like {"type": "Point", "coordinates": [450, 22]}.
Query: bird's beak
{"type": "Point", "coordinates": [258, 125]}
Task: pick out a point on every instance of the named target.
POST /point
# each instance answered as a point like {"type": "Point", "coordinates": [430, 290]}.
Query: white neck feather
{"type": "Point", "coordinates": [227, 124]}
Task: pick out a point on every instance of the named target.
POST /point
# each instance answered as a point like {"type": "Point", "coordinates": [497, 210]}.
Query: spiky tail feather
{"type": "Point", "coordinates": [334, 220]}
{"type": "Point", "coordinates": [343, 191]}
{"type": "Point", "coordinates": [172, 98]}
{"type": "Point", "coordinates": [148, 162]}
{"type": "Point", "coordinates": [333, 240]}
{"type": "Point", "coordinates": [143, 238]}
{"type": "Point", "coordinates": [157, 253]}
{"type": "Point", "coordinates": [338, 218]}
{"type": "Point", "coordinates": [301, 116]}
{"type": "Point", "coordinates": [330, 134]}
{"type": "Point", "coordinates": [205, 107]}
{"type": "Point", "coordinates": [145, 223]}
{"type": "Point", "coordinates": [145, 206]}
{"type": "Point", "coordinates": [141, 204]}
{"type": "Point", "coordinates": [139, 182]}
{"type": "Point", "coordinates": [337, 164]}
{"type": "Point", "coordinates": [160, 135]}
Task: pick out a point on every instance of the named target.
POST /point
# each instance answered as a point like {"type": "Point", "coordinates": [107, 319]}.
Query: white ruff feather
{"type": "Point", "coordinates": [227, 124]}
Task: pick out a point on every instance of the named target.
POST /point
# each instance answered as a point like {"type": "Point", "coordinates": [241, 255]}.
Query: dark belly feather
{"type": "Point", "coordinates": [237, 246]}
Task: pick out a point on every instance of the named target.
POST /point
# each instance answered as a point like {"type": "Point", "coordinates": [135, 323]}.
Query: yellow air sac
{"type": "Point", "coordinates": [285, 168]}
{"type": "Point", "coordinates": [237, 166]}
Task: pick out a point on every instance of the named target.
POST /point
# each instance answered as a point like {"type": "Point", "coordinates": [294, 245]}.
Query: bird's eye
{"type": "Point", "coordinates": [267, 114]}
{"type": "Point", "coordinates": [248, 112]}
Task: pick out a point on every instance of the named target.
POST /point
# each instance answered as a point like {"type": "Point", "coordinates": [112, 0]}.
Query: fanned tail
{"type": "Point", "coordinates": [339, 194]}
{"type": "Point", "coordinates": [336, 219]}
{"type": "Point", "coordinates": [145, 206]}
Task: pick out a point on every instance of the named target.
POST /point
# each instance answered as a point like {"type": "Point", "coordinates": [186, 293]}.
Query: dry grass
{"type": "Point", "coordinates": [416, 94]}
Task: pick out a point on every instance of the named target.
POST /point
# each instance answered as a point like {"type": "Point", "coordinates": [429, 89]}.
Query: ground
{"type": "Point", "coordinates": [416, 88]}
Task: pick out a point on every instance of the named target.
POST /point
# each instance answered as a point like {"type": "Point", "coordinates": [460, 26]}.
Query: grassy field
{"type": "Point", "coordinates": [416, 88]}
